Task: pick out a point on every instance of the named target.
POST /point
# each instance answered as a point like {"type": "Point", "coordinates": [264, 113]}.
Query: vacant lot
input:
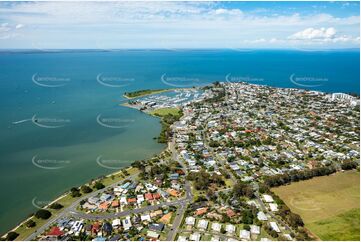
{"type": "Point", "coordinates": [329, 205]}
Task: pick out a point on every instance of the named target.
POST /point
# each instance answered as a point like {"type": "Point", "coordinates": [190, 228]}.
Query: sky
{"type": "Point", "coordinates": [169, 25]}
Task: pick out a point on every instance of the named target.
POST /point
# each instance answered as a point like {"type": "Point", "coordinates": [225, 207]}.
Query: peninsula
{"type": "Point", "coordinates": [233, 151]}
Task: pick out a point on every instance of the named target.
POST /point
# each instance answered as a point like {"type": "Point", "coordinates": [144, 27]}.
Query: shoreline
{"type": "Point", "coordinates": [22, 223]}
{"type": "Point", "coordinates": [148, 94]}
{"type": "Point", "coordinates": [126, 104]}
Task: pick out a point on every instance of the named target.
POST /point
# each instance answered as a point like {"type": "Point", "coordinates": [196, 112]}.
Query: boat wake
{"type": "Point", "coordinates": [21, 121]}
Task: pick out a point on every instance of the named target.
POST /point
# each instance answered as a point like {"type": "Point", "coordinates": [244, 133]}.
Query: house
{"type": "Point", "coordinates": [190, 221]}
{"type": "Point", "coordinates": [132, 200]}
{"type": "Point", "coordinates": [202, 224]}
{"type": "Point", "coordinates": [126, 223]}
{"type": "Point", "coordinates": [156, 227]}
{"type": "Point", "coordinates": [123, 200]}
{"type": "Point", "coordinates": [156, 213]}
{"type": "Point", "coordinates": [95, 228]}
{"type": "Point", "coordinates": [55, 232]}
{"type": "Point", "coordinates": [255, 229]}
{"type": "Point", "coordinates": [230, 228]}
{"type": "Point", "coordinates": [93, 200]}
{"type": "Point", "coordinates": [275, 227]}
{"type": "Point", "coordinates": [195, 236]}
{"type": "Point", "coordinates": [140, 198]}
{"type": "Point", "coordinates": [273, 207]}
{"type": "Point", "coordinates": [148, 196]}
{"type": "Point", "coordinates": [116, 223]}
{"type": "Point", "coordinates": [156, 196]}
{"type": "Point", "coordinates": [261, 216]}
{"type": "Point", "coordinates": [104, 205]}
{"type": "Point", "coordinates": [245, 234]}
{"type": "Point", "coordinates": [174, 176]}
{"type": "Point", "coordinates": [89, 206]}
{"type": "Point", "coordinates": [107, 228]}
{"type": "Point", "coordinates": [166, 218]}
{"type": "Point", "coordinates": [115, 204]}
{"type": "Point", "coordinates": [153, 235]}
{"type": "Point", "coordinates": [145, 217]}
{"type": "Point", "coordinates": [287, 236]}
{"type": "Point", "coordinates": [230, 213]}
{"type": "Point", "coordinates": [216, 227]}
{"type": "Point", "coordinates": [77, 226]}
{"type": "Point", "coordinates": [173, 192]}
{"type": "Point", "coordinates": [182, 238]}
{"type": "Point", "coordinates": [201, 211]}
{"type": "Point", "coordinates": [267, 198]}
{"type": "Point", "coordinates": [105, 197]}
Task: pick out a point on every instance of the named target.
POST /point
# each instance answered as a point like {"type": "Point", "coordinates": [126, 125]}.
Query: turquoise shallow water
{"type": "Point", "coordinates": [87, 85]}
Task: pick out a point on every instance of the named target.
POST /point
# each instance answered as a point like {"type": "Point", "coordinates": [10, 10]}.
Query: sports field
{"type": "Point", "coordinates": [329, 205]}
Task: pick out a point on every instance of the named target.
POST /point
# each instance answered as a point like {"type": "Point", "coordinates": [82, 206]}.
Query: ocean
{"type": "Point", "coordinates": [61, 122]}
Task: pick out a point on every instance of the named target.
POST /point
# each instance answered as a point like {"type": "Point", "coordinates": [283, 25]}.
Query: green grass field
{"type": "Point", "coordinates": [345, 226]}
{"type": "Point", "coordinates": [328, 205]}
{"type": "Point", "coordinates": [164, 111]}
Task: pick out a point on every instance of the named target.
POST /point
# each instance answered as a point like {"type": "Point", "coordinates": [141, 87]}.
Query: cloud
{"type": "Point", "coordinates": [172, 24]}
{"type": "Point", "coordinates": [312, 33]}
{"type": "Point", "coordinates": [19, 26]}
{"type": "Point", "coordinates": [322, 35]}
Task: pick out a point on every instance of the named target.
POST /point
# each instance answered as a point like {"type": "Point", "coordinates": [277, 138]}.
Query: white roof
{"type": "Point", "coordinates": [262, 216]}
{"type": "Point", "coordinates": [145, 217]}
{"type": "Point", "coordinates": [182, 238]}
{"type": "Point", "coordinates": [273, 207]}
{"type": "Point", "coordinates": [152, 234]}
{"type": "Point", "coordinates": [202, 224]}
{"type": "Point", "coordinates": [190, 220]}
{"type": "Point", "coordinates": [216, 227]}
{"type": "Point", "coordinates": [230, 228]}
{"type": "Point", "coordinates": [245, 234]}
{"type": "Point", "coordinates": [116, 222]}
{"type": "Point", "coordinates": [255, 229]}
{"type": "Point", "coordinates": [288, 236]}
{"type": "Point", "coordinates": [126, 223]}
{"type": "Point", "coordinates": [275, 227]}
{"type": "Point", "coordinates": [195, 236]}
{"type": "Point", "coordinates": [267, 198]}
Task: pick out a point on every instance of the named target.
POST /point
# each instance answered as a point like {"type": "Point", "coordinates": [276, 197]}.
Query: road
{"type": "Point", "coordinates": [189, 196]}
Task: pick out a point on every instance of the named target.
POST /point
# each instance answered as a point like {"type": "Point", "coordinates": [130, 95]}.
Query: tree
{"type": "Point", "coordinates": [43, 214]}
{"type": "Point", "coordinates": [12, 236]}
{"type": "Point", "coordinates": [243, 189]}
{"type": "Point", "coordinates": [349, 165]}
{"type": "Point", "coordinates": [75, 192]}
{"type": "Point", "coordinates": [86, 189]}
{"type": "Point", "coordinates": [56, 206]}
{"type": "Point", "coordinates": [30, 223]}
{"type": "Point", "coordinates": [98, 185]}
{"type": "Point", "coordinates": [295, 220]}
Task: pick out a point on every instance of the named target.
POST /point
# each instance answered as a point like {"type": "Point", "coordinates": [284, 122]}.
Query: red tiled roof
{"type": "Point", "coordinates": [148, 196]}
{"type": "Point", "coordinates": [55, 231]}
{"type": "Point", "coordinates": [156, 195]}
